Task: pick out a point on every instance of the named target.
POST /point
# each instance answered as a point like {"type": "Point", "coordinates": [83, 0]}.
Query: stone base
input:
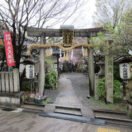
{"type": "Point", "coordinates": [10, 101]}
{"type": "Point", "coordinates": [129, 106]}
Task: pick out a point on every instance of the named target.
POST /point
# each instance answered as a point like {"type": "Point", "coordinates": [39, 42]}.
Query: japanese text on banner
{"type": "Point", "coordinates": [9, 49]}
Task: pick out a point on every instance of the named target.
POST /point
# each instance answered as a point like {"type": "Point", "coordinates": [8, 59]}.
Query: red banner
{"type": "Point", "coordinates": [9, 49]}
{"type": "Point", "coordinates": [0, 42]}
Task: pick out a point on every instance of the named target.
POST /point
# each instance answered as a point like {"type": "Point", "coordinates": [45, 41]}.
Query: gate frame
{"type": "Point", "coordinates": [43, 33]}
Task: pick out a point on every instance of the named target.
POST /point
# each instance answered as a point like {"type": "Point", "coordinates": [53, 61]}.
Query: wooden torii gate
{"type": "Point", "coordinates": [43, 33]}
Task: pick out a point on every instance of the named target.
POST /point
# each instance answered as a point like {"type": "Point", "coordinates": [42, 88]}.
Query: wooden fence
{"type": "Point", "coordinates": [9, 82]}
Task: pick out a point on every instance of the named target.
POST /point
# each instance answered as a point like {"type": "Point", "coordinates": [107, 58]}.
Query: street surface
{"type": "Point", "coordinates": [27, 122]}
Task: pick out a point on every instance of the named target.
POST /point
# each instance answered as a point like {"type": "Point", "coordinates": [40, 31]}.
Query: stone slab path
{"type": "Point", "coordinates": [66, 94]}
{"type": "Point", "coordinates": [72, 91]}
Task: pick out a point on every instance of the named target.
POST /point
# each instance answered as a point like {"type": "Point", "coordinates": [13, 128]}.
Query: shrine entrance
{"type": "Point", "coordinates": [68, 33]}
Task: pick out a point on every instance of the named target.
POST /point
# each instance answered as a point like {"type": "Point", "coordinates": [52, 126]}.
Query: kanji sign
{"type": "Point", "coordinates": [125, 71]}
{"type": "Point", "coordinates": [68, 38]}
{"type": "Point", "coordinates": [30, 71]}
{"type": "Point", "coordinates": [9, 49]}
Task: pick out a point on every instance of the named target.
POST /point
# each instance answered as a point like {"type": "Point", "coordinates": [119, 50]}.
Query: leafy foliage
{"type": "Point", "coordinates": [51, 79]}
{"type": "Point", "coordinates": [49, 62]}
{"type": "Point", "coordinates": [119, 35]}
{"type": "Point", "coordinates": [118, 90]}
{"type": "Point", "coordinates": [101, 89]}
{"type": "Point", "coordinates": [116, 72]}
{"type": "Point", "coordinates": [46, 101]}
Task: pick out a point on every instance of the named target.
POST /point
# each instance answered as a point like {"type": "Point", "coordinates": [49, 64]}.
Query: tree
{"type": "Point", "coordinates": [17, 15]}
{"type": "Point", "coordinates": [111, 11]}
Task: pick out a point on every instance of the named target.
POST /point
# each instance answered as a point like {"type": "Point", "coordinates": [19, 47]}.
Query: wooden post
{"type": "Point", "coordinates": [109, 77]}
{"type": "Point", "coordinates": [58, 69]}
{"type": "Point", "coordinates": [42, 67]}
{"type": "Point", "coordinates": [96, 87]}
{"type": "Point", "coordinates": [16, 80]}
{"type": "Point", "coordinates": [91, 71]}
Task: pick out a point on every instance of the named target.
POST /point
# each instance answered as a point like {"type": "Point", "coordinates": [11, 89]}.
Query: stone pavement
{"type": "Point", "coordinates": [72, 91]}
{"type": "Point", "coordinates": [66, 94]}
{"type": "Point", "coordinates": [27, 122]}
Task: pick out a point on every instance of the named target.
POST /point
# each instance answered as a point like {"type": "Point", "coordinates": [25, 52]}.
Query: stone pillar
{"type": "Point", "coordinates": [91, 70]}
{"type": "Point", "coordinates": [16, 80]}
{"type": "Point", "coordinates": [96, 87]}
{"type": "Point", "coordinates": [109, 77]}
{"type": "Point", "coordinates": [42, 67]}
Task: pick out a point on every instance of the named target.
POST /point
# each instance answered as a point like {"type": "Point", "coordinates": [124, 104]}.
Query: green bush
{"type": "Point", "coordinates": [118, 90]}
{"type": "Point", "coordinates": [117, 72]}
{"type": "Point", "coordinates": [101, 89]}
{"type": "Point", "coordinates": [51, 79]}
{"type": "Point", "coordinates": [26, 86]}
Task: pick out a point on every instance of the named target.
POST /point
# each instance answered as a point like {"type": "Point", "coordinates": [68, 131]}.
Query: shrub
{"type": "Point", "coordinates": [101, 89]}
{"type": "Point", "coordinates": [51, 79]}
{"type": "Point", "coordinates": [117, 89]}
{"type": "Point", "coordinates": [117, 73]}
{"type": "Point", "coordinates": [26, 86]}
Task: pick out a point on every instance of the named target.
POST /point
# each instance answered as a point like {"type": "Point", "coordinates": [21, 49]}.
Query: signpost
{"type": "Point", "coordinates": [125, 75]}
{"type": "Point", "coordinates": [68, 35]}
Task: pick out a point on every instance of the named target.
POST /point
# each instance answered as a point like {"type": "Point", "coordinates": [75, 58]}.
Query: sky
{"type": "Point", "coordinates": [83, 17]}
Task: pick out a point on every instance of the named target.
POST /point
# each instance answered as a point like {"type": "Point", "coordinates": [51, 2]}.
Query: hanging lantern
{"type": "Point", "coordinates": [64, 56]}
{"type": "Point", "coordinates": [85, 52]}
{"type": "Point", "coordinates": [48, 52]}
{"type": "Point", "coordinates": [71, 54]}
{"type": "Point", "coordinates": [51, 51]}
{"type": "Point", "coordinates": [60, 53]}
{"type": "Point", "coordinates": [82, 51]}
{"type": "Point", "coordinates": [67, 57]}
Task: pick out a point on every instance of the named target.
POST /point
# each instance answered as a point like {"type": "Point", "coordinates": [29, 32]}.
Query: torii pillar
{"type": "Point", "coordinates": [91, 73]}
{"type": "Point", "coordinates": [42, 66]}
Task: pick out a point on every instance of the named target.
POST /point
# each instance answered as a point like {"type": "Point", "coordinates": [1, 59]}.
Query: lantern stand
{"type": "Point", "coordinates": [124, 88]}
{"type": "Point", "coordinates": [30, 71]}
{"type": "Point", "coordinates": [124, 75]}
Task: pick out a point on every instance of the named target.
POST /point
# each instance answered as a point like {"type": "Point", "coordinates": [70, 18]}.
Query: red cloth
{"type": "Point", "coordinates": [9, 49]}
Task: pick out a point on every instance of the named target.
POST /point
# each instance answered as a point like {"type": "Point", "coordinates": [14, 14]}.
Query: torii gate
{"type": "Point", "coordinates": [43, 33]}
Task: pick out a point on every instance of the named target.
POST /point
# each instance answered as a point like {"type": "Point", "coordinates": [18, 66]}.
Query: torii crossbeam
{"type": "Point", "coordinates": [43, 33]}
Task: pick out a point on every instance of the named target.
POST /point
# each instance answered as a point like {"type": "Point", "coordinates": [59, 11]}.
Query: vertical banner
{"type": "Point", "coordinates": [9, 49]}
{"type": "Point", "coordinates": [0, 43]}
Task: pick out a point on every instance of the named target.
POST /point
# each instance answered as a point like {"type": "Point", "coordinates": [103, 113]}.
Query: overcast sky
{"type": "Point", "coordinates": [83, 18]}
